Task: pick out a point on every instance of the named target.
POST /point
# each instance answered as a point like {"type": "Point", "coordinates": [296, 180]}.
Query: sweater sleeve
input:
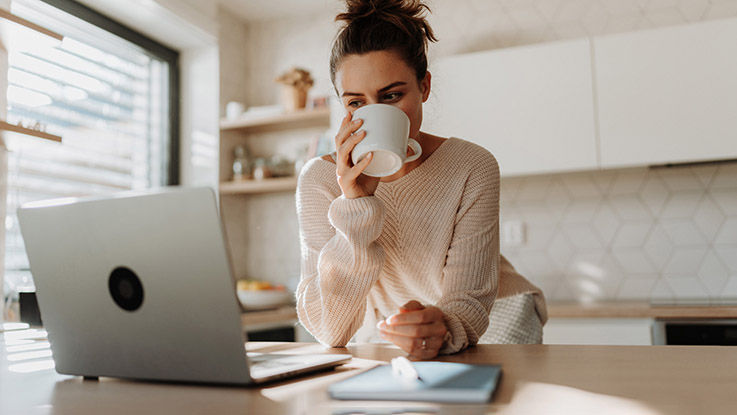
{"type": "Point", "coordinates": [470, 275]}
{"type": "Point", "coordinates": [340, 256]}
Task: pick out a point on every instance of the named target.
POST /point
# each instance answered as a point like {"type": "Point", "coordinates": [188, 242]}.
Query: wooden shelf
{"type": "Point", "coordinates": [286, 120]}
{"type": "Point", "coordinates": [33, 26]}
{"type": "Point", "coordinates": [280, 184]}
{"type": "Point", "coordinates": [28, 131]}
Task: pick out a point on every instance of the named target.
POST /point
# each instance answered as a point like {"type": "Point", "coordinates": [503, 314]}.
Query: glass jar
{"type": "Point", "coordinates": [261, 169]}
{"type": "Point", "coordinates": [242, 165]}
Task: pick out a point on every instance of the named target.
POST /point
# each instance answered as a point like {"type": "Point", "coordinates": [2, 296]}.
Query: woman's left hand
{"type": "Point", "coordinates": [416, 329]}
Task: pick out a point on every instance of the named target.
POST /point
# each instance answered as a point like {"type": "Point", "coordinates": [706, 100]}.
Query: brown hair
{"type": "Point", "coordinates": [376, 25]}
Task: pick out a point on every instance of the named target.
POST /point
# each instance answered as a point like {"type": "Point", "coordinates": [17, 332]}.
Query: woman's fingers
{"type": "Point", "coordinates": [362, 164]}
{"type": "Point", "coordinates": [345, 149]}
{"type": "Point", "coordinates": [411, 305]}
{"type": "Point", "coordinates": [424, 348]}
{"type": "Point", "coordinates": [427, 350]}
{"type": "Point", "coordinates": [343, 130]}
{"type": "Point", "coordinates": [418, 316]}
{"type": "Point", "coordinates": [436, 328]}
{"type": "Point", "coordinates": [347, 128]}
{"type": "Point", "coordinates": [349, 175]}
{"type": "Point", "coordinates": [416, 329]}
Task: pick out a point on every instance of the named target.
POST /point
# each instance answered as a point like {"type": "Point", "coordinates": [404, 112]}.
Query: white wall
{"type": "Point", "coordinates": [199, 116]}
{"type": "Point", "coordinates": [235, 59]}
{"type": "Point", "coordinates": [5, 4]}
{"type": "Point", "coordinates": [638, 233]}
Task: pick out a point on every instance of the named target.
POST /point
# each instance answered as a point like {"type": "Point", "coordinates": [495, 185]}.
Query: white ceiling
{"type": "Point", "coordinates": [179, 24]}
{"type": "Point", "coordinates": [251, 10]}
{"type": "Point", "coordinates": [183, 24]}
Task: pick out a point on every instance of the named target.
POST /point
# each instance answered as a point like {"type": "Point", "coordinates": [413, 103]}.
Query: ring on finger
{"type": "Point", "coordinates": [423, 346]}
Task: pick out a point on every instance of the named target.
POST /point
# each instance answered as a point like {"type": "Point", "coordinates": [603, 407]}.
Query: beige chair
{"type": "Point", "coordinates": [515, 319]}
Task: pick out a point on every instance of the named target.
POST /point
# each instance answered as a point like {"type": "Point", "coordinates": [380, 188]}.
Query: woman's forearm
{"type": "Point", "coordinates": [331, 297]}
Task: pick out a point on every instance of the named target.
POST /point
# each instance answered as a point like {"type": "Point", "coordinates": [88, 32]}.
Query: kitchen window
{"type": "Point", "coordinates": [109, 92]}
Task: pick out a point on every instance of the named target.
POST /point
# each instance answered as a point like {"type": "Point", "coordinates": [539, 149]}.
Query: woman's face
{"type": "Point", "coordinates": [382, 77]}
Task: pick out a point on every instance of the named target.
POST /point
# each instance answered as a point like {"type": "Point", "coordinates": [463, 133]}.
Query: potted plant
{"type": "Point", "coordinates": [295, 84]}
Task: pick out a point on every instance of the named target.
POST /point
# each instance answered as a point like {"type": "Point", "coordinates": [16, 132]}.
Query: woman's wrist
{"type": "Point", "coordinates": [356, 195]}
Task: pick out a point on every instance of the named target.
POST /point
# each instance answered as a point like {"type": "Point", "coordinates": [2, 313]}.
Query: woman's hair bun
{"type": "Point", "coordinates": [378, 25]}
{"type": "Point", "coordinates": [407, 15]}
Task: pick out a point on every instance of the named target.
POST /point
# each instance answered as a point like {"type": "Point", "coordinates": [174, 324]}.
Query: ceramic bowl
{"type": "Point", "coordinates": [264, 299]}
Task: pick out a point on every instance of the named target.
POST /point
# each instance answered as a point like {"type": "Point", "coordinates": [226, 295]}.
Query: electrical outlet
{"type": "Point", "coordinates": [513, 233]}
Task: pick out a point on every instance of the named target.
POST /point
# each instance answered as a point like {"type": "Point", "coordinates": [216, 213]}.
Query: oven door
{"type": "Point", "coordinates": [716, 332]}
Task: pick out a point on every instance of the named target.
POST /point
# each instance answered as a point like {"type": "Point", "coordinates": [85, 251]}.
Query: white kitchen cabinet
{"type": "Point", "coordinates": [531, 106]}
{"type": "Point", "coordinates": [601, 331]}
{"type": "Point", "coordinates": [667, 95]}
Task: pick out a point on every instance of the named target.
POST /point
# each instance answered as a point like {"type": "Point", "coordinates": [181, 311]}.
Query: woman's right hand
{"type": "Point", "coordinates": [351, 179]}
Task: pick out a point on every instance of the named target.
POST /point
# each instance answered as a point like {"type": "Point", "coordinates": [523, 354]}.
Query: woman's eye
{"type": "Point", "coordinates": [354, 104]}
{"type": "Point", "coordinates": [392, 96]}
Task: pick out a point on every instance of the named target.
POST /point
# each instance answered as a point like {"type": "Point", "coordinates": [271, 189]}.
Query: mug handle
{"type": "Point", "coordinates": [415, 146]}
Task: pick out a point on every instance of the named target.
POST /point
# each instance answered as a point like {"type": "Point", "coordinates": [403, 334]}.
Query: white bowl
{"type": "Point", "coordinates": [264, 299]}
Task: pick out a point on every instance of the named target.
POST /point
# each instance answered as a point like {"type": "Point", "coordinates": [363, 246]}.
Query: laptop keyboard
{"type": "Point", "coordinates": [273, 361]}
{"type": "Point", "coordinates": [281, 365]}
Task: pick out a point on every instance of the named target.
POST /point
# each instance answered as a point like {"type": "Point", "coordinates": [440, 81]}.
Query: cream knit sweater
{"type": "Point", "coordinates": [431, 236]}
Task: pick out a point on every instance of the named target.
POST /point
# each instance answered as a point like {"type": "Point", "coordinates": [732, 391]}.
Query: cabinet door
{"type": "Point", "coordinates": [668, 95]}
{"type": "Point", "coordinates": [532, 106]}
{"type": "Point", "coordinates": [601, 331]}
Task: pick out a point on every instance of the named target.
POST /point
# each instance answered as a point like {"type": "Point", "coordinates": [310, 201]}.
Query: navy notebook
{"type": "Point", "coordinates": [441, 382]}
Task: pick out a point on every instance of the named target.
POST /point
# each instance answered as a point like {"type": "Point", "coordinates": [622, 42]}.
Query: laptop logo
{"type": "Point", "coordinates": [126, 289]}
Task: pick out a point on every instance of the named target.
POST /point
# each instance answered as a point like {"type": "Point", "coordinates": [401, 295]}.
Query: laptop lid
{"type": "Point", "coordinates": [137, 286]}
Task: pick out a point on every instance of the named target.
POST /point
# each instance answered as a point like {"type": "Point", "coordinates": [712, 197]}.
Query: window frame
{"type": "Point", "coordinates": [160, 51]}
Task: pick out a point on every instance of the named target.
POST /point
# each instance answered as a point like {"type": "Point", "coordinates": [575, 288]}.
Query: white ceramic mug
{"type": "Point", "coordinates": [233, 110]}
{"type": "Point", "coordinates": [387, 136]}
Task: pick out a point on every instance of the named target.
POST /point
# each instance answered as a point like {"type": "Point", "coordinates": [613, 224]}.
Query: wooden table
{"type": "Point", "coordinates": [660, 379]}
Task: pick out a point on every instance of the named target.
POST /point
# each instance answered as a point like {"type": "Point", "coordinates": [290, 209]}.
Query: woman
{"type": "Point", "coordinates": [417, 251]}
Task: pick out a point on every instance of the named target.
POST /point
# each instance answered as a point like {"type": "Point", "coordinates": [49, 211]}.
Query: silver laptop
{"type": "Point", "coordinates": [139, 286]}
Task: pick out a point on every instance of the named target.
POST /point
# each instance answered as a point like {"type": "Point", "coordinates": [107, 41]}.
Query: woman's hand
{"type": "Point", "coordinates": [416, 329]}
{"type": "Point", "coordinates": [352, 182]}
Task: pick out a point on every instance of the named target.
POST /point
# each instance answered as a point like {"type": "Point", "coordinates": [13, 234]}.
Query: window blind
{"type": "Point", "coordinates": [105, 96]}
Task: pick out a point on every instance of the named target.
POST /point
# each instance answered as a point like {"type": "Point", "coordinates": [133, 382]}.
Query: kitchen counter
{"type": "Point", "coordinates": [278, 317]}
{"type": "Point", "coordinates": [635, 309]}
{"type": "Point", "coordinates": [536, 379]}
{"type": "Point", "coordinates": [609, 309]}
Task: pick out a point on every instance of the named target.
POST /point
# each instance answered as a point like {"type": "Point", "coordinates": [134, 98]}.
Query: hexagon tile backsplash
{"type": "Point", "coordinates": [663, 234]}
